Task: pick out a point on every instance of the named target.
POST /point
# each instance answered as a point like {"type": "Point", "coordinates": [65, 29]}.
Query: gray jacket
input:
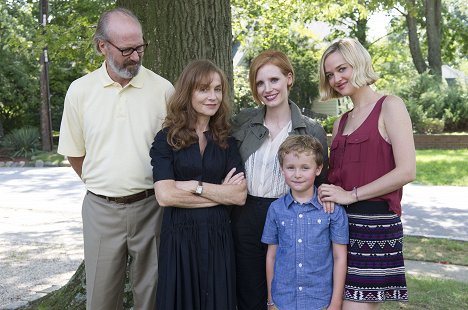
{"type": "Point", "coordinates": [250, 133]}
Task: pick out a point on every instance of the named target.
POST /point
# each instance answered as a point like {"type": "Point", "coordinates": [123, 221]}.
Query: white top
{"type": "Point", "coordinates": [262, 168]}
{"type": "Point", "coordinates": [113, 127]}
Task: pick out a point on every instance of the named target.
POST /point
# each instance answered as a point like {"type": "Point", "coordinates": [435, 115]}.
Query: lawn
{"type": "Point", "coordinates": [436, 250]}
{"type": "Point", "coordinates": [442, 167]}
{"type": "Point", "coordinates": [432, 294]}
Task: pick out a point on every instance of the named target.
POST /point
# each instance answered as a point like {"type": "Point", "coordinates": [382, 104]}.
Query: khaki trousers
{"type": "Point", "coordinates": [112, 232]}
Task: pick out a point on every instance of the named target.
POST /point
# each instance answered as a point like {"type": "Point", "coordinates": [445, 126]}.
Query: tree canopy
{"type": "Point", "coordinates": [299, 27]}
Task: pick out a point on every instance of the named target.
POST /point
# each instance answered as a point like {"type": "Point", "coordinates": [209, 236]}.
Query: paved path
{"type": "Point", "coordinates": [435, 211]}
{"type": "Point", "coordinates": [41, 233]}
{"type": "Point", "coordinates": [41, 242]}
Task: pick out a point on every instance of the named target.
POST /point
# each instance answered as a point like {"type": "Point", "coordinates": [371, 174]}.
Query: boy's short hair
{"type": "Point", "coordinates": [301, 144]}
{"type": "Point", "coordinates": [360, 60]}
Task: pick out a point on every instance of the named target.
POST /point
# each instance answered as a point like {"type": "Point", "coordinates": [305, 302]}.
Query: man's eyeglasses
{"type": "Point", "coordinates": [129, 50]}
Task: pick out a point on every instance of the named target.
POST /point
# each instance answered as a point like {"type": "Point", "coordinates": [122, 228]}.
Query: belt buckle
{"type": "Point", "coordinates": [120, 201]}
{"type": "Point", "coordinates": [116, 200]}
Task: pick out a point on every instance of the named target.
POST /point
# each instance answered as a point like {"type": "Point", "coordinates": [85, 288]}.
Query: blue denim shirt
{"type": "Point", "coordinates": [303, 274]}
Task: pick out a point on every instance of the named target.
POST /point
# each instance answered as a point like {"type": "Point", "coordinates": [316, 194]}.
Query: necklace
{"type": "Point", "coordinates": [361, 110]}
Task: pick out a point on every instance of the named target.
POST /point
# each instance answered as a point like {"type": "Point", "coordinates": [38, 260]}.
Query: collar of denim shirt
{"type": "Point", "coordinates": [289, 200]}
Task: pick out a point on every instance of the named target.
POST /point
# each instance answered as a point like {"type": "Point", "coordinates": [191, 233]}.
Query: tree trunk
{"type": "Point", "coordinates": [414, 46]}
{"type": "Point", "coordinates": [178, 31]}
{"type": "Point", "coordinates": [360, 32]}
{"type": "Point", "coordinates": [184, 30]}
{"type": "Point", "coordinates": [433, 17]}
{"type": "Point", "coordinates": [72, 296]}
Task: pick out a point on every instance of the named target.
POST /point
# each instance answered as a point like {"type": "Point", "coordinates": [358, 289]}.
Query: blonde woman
{"type": "Point", "coordinates": [371, 157]}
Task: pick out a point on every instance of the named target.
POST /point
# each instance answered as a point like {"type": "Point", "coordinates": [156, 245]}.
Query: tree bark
{"type": "Point", "coordinates": [414, 46]}
{"type": "Point", "coordinates": [72, 296]}
{"type": "Point", "coordinates": [433, 29]}
{"type": "Point", "coordinates": [184, 30]}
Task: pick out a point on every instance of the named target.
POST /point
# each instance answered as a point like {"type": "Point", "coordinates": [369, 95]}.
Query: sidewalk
{"type": "Point", "coordinates": [435, 211]}
{"type": "Point", "coordinates": [41, 241]}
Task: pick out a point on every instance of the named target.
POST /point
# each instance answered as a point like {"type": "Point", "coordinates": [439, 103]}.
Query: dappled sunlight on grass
{"type": "Point", "coordinates": [442, 167]}
{"type": "Point", "coordinates": [437, 250]}
{"type": "Point", "coordinates": [432, 294]}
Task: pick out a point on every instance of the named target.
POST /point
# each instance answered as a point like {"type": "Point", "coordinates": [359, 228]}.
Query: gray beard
{"type": "Point", "coordinates": [123, 73]}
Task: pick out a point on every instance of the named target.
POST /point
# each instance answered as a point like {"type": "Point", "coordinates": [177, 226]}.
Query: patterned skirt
{"type": "Point", "coordinates": [376, 270]}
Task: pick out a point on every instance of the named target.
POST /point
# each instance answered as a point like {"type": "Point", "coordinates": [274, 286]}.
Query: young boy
{"type": "Point", "coordinates": [306, 258]}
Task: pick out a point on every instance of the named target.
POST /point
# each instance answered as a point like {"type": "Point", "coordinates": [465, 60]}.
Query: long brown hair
{"type": "Point", "coordinates": [181, 117]}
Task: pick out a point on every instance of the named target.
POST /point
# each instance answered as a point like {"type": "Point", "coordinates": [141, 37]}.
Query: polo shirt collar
{"type": "Point", "coordinates": [136, 81]}
{"type": "Point", "coordinates": [289, 200]}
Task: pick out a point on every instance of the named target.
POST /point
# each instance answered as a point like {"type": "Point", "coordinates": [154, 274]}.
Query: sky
{"type": "Point", "coordinates": [377, 24]}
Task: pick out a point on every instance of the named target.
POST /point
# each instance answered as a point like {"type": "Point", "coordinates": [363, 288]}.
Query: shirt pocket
{"type": "Point", "coordinates": [334, 154]}
{"type": "Point", "coordinates": [286, 232]}
{"type": "Point", "coordinates": [356, 147]}
{"type": "Point", "coordinates": [318, 233]}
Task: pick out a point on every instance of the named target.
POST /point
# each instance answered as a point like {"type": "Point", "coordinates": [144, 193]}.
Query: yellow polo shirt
{"type": "Point", "coordinates": [113, 127]}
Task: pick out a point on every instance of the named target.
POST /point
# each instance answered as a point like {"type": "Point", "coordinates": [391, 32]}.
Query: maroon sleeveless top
{"type": "Point", "coordinates": [362, 157]}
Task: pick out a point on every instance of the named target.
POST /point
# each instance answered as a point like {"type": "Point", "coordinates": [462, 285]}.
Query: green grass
{"type": "Point", "coordinates": [442, 167]}
{"type": "Point", "coordinates": [432, 294]}
{"type": "Point", "coordinates": [436, 250]}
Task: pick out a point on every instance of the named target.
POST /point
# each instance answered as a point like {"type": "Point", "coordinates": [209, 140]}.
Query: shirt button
{"type": "Point", "coordinates": [301, 216]}
{"type": "Point", "coordinates": [300, 265]}
{"type": "Point", "coordinates": [299, 240]}
{"type": "Point", "coordinates": [300, 288]}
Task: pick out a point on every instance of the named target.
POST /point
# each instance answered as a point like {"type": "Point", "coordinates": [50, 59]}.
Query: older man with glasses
{"type": "Point", "coordinates": [109, 121]}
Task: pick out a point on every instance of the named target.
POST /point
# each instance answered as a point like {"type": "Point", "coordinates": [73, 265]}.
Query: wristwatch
{"type": "Point", "coordinates": [199, 189]}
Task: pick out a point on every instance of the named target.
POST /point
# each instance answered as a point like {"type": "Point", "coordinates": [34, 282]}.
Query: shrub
{"type": "Point", "coordinates": [328, 122]}
{"type": "Point", "coordinates": [456, 108]}
{"type": "Point", "coordinates": [430, 125]}
{"type": "Point", "coordinates": [22, 142]}
{"type": "Point", "coordinates": [242, 95]}
{"type": "Point", "coordinates": [433, 104]}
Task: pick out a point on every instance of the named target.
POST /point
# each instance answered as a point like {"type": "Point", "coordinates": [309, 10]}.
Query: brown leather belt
{"type": "Point", "coordinates": [128, 199]}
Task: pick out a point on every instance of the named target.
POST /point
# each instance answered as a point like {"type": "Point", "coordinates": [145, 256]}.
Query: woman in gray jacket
{"type": "Point", "coordinates": [259, 133]}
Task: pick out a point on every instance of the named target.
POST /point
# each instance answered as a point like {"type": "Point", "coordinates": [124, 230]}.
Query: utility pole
{"type": "Point", "coordinates": [46, 119]}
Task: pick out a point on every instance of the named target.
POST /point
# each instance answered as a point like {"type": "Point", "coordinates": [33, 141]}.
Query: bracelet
{"type": "Point", "coordinates": [270, 303]}
{"type": "Point", "coordinates": [355, 193]}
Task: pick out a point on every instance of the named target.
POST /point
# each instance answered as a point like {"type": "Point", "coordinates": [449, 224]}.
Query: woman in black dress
{"type": "Point", "coordinates": [197, 172]}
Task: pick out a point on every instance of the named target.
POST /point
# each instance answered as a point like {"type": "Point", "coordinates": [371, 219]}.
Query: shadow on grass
{"type": "Point", "coordinates": [432, 294]}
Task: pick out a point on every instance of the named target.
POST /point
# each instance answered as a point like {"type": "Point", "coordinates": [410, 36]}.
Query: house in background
{"type": "Point", "coordinates": [451, 75]}
{"type": "Point", "coordinates": [332, 107]}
